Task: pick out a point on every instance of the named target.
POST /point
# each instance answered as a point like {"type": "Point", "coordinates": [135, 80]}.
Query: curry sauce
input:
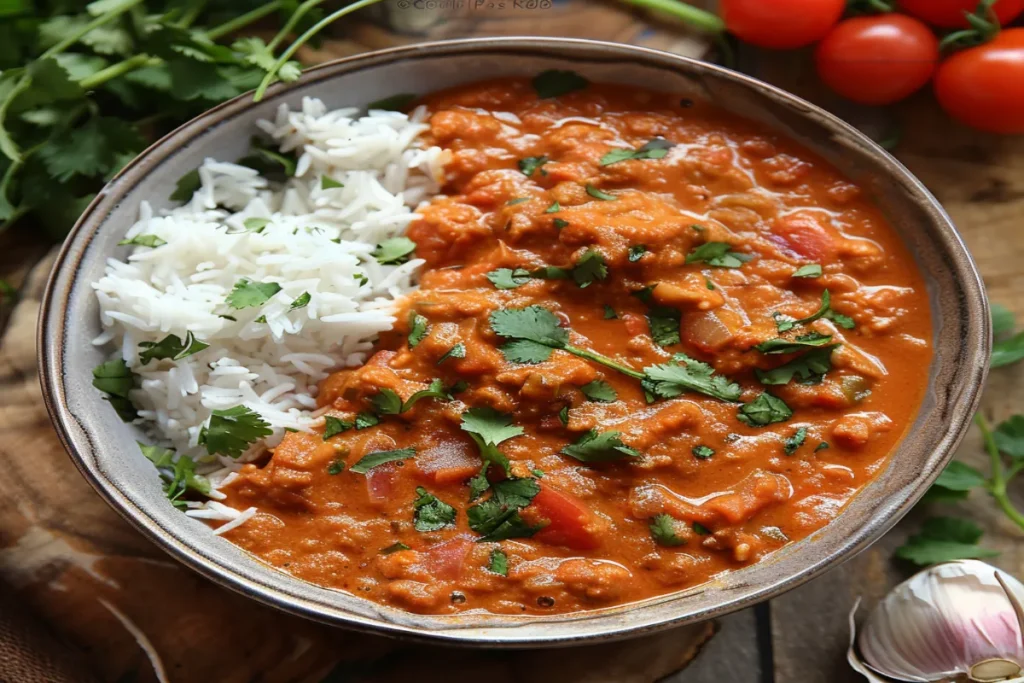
{"type": "Point", "coordinates": [652, 343]}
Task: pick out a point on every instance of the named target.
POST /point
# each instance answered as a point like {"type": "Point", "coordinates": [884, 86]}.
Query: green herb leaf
{"type": "Point", "coordinates": [1009, 436]}
{"type": "Point", "coordinates": [394, 251]}
{"type": "Point", "coordinates": [702, 452]}
{"type": "Point", "coordinates": [821, 446]}
{"type": "Point", "coordinates": [329, 183]}
{"type": "Point", "coordinates": [115, 379]}
{"type": "Point", "coordinates": [93, 149]}
{"type": "Point", "coordinates": [418, 329]}
{"type": "Point", "coordinates": [497, 518]}
{"type": "Point", "coordinates": [457, 351]}
{"type": "Point", "coordinates": [365, 420]}
{"type": "Point", "coordinates": [824, 311]}
{"type": "Point", "coordinates": [664, 324]}
{"type": "Point", "coordinates": [386, 402]}
{"type": "Point", "coordinates": [151, 241]}
{"type": "Point", "coordinates": [399, 102]}
{"type": "Point", "coordinates": [336, 467]}
{"type": "Point", "coordinates": [431, 513]}
{"type": "Point", "coordinates": [803, 342]}
{"type": "Point", "coordinates": [563, 416]}
{"type": "Point", "coordinates": [479, 483]}
{"type": "Point", "coordinates": [1008, 351]}
{"type": "Point", "coordinates": [517, 200]}
{"type": "Point", "coordinates": [368, 462]}
{"type": "Point", "coordinates": [1002, 321]}
{"type": "Point", "coordinates": [599, 447]}
{"type": "Point", "coordinates": [598, 194]}
{"type": "Point", "coordinates": [171, 347]}
{"type": "Point", "coordinates": [960, 477]}
{"type": "Point", "coordinates": [700, 529]}
{"type": "Point", "coordinates": [186, 186]}
{"type": "Point", "coordinates": [491, 426]}
{"type": "Point", "coordinates": [533, 323]}
{"type": "Point", "coordinates": [609, 313]}
{"type": "Point", "coordinates": [435, 390]}
{"type": "Point", "coordinates": [560, 223]}
{"type": "Point", "coordinates": [943, 539]}
{"type": "Point", "coordinates": [247, 294]}
{"type": "Point", "coordinates": [334, 426]}
{"type": "Point", "coordinates": [808, 368]}
{"type": "Point", "coordinates": [230, 432]}
{"type": "Point", "coordinates": [655, 149]}
{"type": "Point", "coordinates": [636, 252]}
{"type": "Point", "coordinates": [177, 475]}
{"type": "Point", "coordinates": [793, 443]}
{"type": "Point", "coordinates": [554, 208]}
{"type": "Point", "coordinates": [301, 301]}
{"type": "Point", "coordinates": [264, 159]}
{"type": "Point", "coordinates": [599, 391]}
{"type": "Point", "coordinates": [589, 268]}
{"type": "Point", "coordinates": [256, 224]}
{"type": "Point", "coordinates": [394, 548]}
{"type": "Point", "coordinates": [498, 563]}
{"type": "Point", "coordinates": [507, 278]}
{"type": "Point", "coordinates": [530, 164]}
{"type": "Point", "coordinates": [812, 270]}
{"type": "Point", "coordinates": [663, 531]}
{"type": "Point", "coordinates": [764, 410]}
{"type": "Point", "coordinates": [555, 83]}
{"type": "Point", "coordinates": [684, 374]}
{"type": "Point", "coordinates": [717, 255]}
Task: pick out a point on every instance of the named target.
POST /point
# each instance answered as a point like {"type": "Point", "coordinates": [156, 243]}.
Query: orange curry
{"type": "Point", "coordinates": [652, 343]}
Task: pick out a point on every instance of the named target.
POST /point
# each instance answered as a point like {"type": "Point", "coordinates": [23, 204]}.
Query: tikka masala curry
{"type": "Point", "coordinates": [652, 343]}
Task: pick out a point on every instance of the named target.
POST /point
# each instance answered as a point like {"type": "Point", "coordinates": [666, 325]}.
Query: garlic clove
{"type": "Point", "coordinates": [951, 620]}
{"type": "Point", "coordinates": [851, 654]}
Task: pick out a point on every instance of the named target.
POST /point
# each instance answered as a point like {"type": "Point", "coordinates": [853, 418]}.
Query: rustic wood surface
{"type": "Point", "coordinates": [107, 592]}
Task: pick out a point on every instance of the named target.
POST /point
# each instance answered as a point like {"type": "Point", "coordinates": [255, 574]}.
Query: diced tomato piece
{"type": "Point", "coordinates": [635, 324]}
{"type": "Point", "coordinates": [380, 482]}
{"type": "Point", "coordinates": [707, 331]}
{"type": "Point", "coordinates": [445, 560]}
{"type": "Point", "coordinates": [805, 236]}
{"type": "Point", "coordinates": [447, 463]}
{"type": "Point", "coordinates": [569, 521]}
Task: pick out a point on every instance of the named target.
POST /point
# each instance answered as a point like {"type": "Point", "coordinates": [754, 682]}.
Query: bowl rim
{"type": "Point", "coordinates": [50, 352]}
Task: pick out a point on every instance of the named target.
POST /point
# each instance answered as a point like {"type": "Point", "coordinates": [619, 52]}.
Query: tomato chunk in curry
{"type": "Point", "coordinates": [652, 343]}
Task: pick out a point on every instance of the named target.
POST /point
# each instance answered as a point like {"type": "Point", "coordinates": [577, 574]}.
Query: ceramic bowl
{"type": "Point", "coordinates": [104, 449]}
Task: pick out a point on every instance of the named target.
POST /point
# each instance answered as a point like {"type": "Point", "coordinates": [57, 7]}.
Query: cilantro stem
{"type": "Point", "coordinates": [692, 16]}
{"type": "Point", "coordinates": [243, 20]}
{"type": "Point", "coordinates": [996, 485]}
{"type": "Point", "coordinates": [196, 8]}
{"type": "Point", "coordinates": [303, 39]}
{"type": "Point", "coordinates": [119, 69]}
{"type": "Point", "coordinates": [603, 360]}
{"type": "Point", "coordinates": [297, 15]}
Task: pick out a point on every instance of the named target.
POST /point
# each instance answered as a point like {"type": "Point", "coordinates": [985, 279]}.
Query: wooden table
{"type": "Point", "coordinates": [88, 574]}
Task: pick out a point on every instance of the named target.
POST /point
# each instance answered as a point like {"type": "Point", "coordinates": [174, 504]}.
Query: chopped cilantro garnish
{"type": "Point", "coordinates": [812, 270]}
{"type": "Point", "coordinates": [598, 194]}
{"type": "Point", "coordinates": [498, 563]}
{"type": "Point", "coordinates": [479, 483]}
{"type": "Point", "coordinates": [334, 426]}
{"type": "Point", "coordinates": [230, 432]}
{"type": "Point", "coordinates": [386, 402]}
{"type": "Point", "coordinates": [301, 301]}
{"type": "Point", "coordinates": [261, 319]}
{"type": "Point", "coordinates": [599, 391]}
{"type": "Point", "coordinates": [431, 513]}
{"type": "Point", "coordinates": [171, 347]}
{"type": "Point", "coordinates": [699, 528]}
{"type": "Point", "coordinates": [702, 452]}
{"type": "Point", "coordinates": [664, 324]}
{"type": "Point", "coordinates": [434, 390]}
{"type": "Point", "coordinates": [537, 473]}
{"type": "Point", "coordinates": [589, 268]}
{"type": "Point", "coordinates": [329, 183]}
{"type": "Point", "coordinates": [497, 518]}
{"type": "Point", "coordinates": [177, 475]}
{"type": "Point", "coordinates": [337, 466]}
{"type": "Point", "coordinates": [256, 224]}
{"type": "Point", "coordinates": [368, 462]}
{"type": "Point", "coordinates": [507, 278]}
{"type": "Point", "coordinates": [554, 208]}
{"type": "Point", "coordinates": [151, 241]}
{"type": "Point", "coordinates": [457, 351]}
{"type": "Point", "coordinates": [717, 255]}
{"type": "Point", "coordinates": [764, 410]}
{"type": "Point", "coordinates": [560, 223]}
{"type": "Point", "coordinates": [186, 186]}
{"type": "Point", "coordinates": [636, 252]}
{"type": "Point", "coordinates": [599, 447]}
{"type": "Point", "coordinates": [709, 284]}
{"type": "Point", "coordinates": [794, 442]}
{"type": "Point", "coordinates": [517, 200]}
{"type": "Point", "coordinates": [555, 82]}
{"type": "Point", "coordinates": [563, 416]}
{"type": "Point", "coordinates": [394, 251]}
{"type": "Point", "coordinates": [394, 548]}
{"type": "Point", "coordinates": [663, 531]}
{"type": "Point", "coordinates": [418, 329]}
{"type": "Point", "coordinates": [655, 149]}
{"type": "Point", "coordinates": [808, 368]}
{"type": "Point", "coordinates": [365, 420]}
{"type": "Point", "coordinates": [247, 293]}
{"type": "Point", "coordinates": [824, 311]}
{"type": "Point", "coordinates": [609, 313]}
{"type": "Point", "coordinates": [488, 428]}
{"type": "Point", "coordinates": [530, 164]}
{"type": "Point", "coordinates": [821, 446]}
{"type": "Point", "coordinates": [779, 345]}
{"type": "Point", "coordinates": [683, 374]}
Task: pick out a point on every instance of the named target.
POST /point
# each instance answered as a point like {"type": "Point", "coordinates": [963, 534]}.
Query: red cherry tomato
{"type": "Point", "coordinates": [952, 13]}
{"type": "Point", "coordinates": [984, 86]}
{"type": "Point", "coordinates": [781, 24]}
{"type": "Point", "coordinates": [877, 59]}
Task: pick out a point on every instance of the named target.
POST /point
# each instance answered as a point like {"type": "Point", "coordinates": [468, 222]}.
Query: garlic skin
{"type": "Point", "coordinates": [953, 619]}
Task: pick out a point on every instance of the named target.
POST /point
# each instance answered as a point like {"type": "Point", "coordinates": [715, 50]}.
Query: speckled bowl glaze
{"type": "Point", "coordinates": [104, 449]}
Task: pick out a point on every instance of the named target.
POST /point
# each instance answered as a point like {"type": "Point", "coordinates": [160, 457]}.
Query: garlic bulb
{"type": "Point", "coordinates": [951, 621]}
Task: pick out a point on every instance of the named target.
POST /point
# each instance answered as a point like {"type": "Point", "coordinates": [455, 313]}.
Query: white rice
{"type": "Point", "coordinates": [317, 241]}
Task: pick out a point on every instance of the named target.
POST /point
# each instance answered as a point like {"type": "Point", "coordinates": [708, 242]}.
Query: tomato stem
{"type": "Point", "coordinates": [984, 26]}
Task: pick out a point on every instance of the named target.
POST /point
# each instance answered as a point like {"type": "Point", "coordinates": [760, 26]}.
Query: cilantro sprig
{"type": "Point", "coordinates": [178, 474]}
{"type": "Point", "coordinates": [657, 148]}
{"type": "Point", "coordinates": [115, 379]}
{"type": "Point", "coordinates": [488, 428]}
{"type": "Point", "coordinates": [497, 518]}
{"type": "Point", "coordinates": [596, 446]}
{"type": "Point", "coordinates": [230, 432]}
{"type": "Point", "coordinates": [170, 347]}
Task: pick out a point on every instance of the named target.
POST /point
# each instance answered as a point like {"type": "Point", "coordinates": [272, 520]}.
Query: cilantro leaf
{"type": "Point", "coordinates": [256, 224]}
{"type": "Point", "coordinates": [551, 273]}
{"type": "Point", "coordinates": [230, 432]}
{"type": "Point", "coordinates": [684, 374]}
{"type": "Point", "coordinates": [764, 410]}
{"type": "Point", "coordinates": [115, 379]}
{"type": "Point", "coordinates": [151, 241]}
{"type": "Point", "coordinates": [394, 548]}
{"type": "Point", "coordinates": [959, 477]}
{"type": "Point", "coordinates": [530, 164]}
{"type": "Point", "coordinates": [490, 425]}
{"type": "Point", "coordinates": [394, 251]}
{"type": "Point", "coordinates": [368, 462]}
{"type": "Point", "coordinates": [702, 452]}
{"type": "Point", "coordinates": [599, 391]}
{"type": "Point", "coordinates": [418, 329]}
{"type": "Point", "coordinates": [636, 252]}
{"type": "Point", "coordinates": [657, 148]}
{"type": "Point", "coordinates": [336, 467]}
{"type": "Point", "coordinates": [663, 531]}
{"type": "Point", "coordinates": [943, 539]}
{"type": "Point", "coordinates": [812, 270]}
{"type": "Point", "coordinates": [563, 416]}
{"type": "Point", "coordinates": [784, 324]}
{"type": "Point", "coordinates": [700, 529]}
{"type": "Point", "coordinates": [598, 194]}
{"type": "Point", "coordinates": [1008, 351]}
{"type": "Point", "coordinates": [1009, 436]}
{"type": "Point", "coordinates": [479, 483]}
{"type": "Point", "coordinates": [793, 443]}
{"type": "Point", "coordinates": [457, 351]}
{"type": "Point", "coordinates": [560, 223]}
{"type": "Point", "coordinates": [555, 82]}
{"type": "Point", "coordinates": [329, 183]}
{"type": "Point", "coordinates": [717, 255]}
{"type": "Point", "coordinates": [589, 268]}
{"type": "Point", "coordinates": [435, 390]}
{"type": "Point", "coordinates": [247, 294]}
{"type": "Point", "coordinates": [507, 278]}
{"type": "Point", "coordinates": [334, 426]}
{"type": "Point", "coordinates": [398, 102]}
{"type": "Point", "coordinates": [554, 208]}
{"type": "Point", "coordinates": [809, 368]}
{"type": "Point", "coordinates": [599, 447]}
{"type": "Point", "coordinates": [431, 513]}
{"type": "Point", "coordinates": [664, 324]}
{"type": "Point", "coordinates": [821, 446]}
{"type": "Point", "coordinates": [609, 313]}
{"type": "Point", "coordinates": [497, 518]}
{"type": "Point", "coordinates": [801, 343]}
{"type": "Point", "coordinates": [365, 420]}
{"type": "Point", "coordinates": [186, 186]}
{"type": "Point", "coordinates": [1002, 321]}
{"type": "Point", "coordinates": [301, 301]}
{"type": "Point", "coordinates": [498, 563]}
{"type": "Point", "coordinates": [92, 149]}
{"type": "Point", "coordinates": [533, 323]}
{"type": "Point", "coordinates": [525, 351]}
{"type": "Point", "coordinates": [386, 402]}
{"type": "Point", "coordinates": [177, 475]}
{"type": "Point", "coordinates": [171, 347]}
